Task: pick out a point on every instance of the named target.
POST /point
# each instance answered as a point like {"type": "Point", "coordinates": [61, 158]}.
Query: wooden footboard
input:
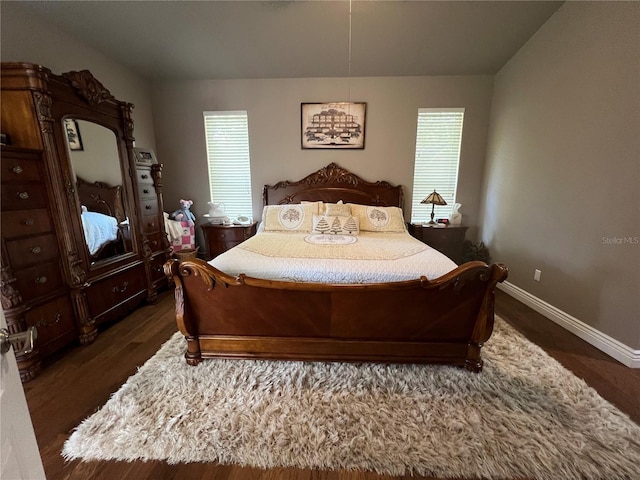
{"type": "Point", "coordinates": [446, 320]}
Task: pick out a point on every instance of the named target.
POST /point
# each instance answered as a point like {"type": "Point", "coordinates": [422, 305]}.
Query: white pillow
{"type": "Point", "coordinates": [318, 206]}
{"type": "Point", "coordinates": [379, 219]}
{"type": "Point", "coordinates": [293, 217]}
{"type": "Point", "coordinates": [336, 224]}
{"type": "Point", "coordinates": [335, 209]}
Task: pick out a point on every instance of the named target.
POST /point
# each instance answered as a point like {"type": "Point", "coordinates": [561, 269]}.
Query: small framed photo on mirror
{"type": "Point", "coordinates": [73, 134]}
{"type": "Point", "coordinates": [144, 156]}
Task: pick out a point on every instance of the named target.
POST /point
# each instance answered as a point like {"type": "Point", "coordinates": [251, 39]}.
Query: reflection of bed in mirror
{"type": "Point", "coordinates": [105, 225]}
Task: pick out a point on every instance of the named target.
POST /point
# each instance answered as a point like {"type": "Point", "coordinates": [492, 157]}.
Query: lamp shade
{"type": "Point", "coordinates": [434, 198]}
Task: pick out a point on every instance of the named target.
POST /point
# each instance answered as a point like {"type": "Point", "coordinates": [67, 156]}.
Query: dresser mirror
{"type": "Point", "coordinates": [97, 172]}
{"type": "Point", "coordinates": [93, 138]}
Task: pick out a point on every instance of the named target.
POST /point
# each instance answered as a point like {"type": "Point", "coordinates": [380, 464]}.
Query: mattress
{"type": "Point", "coordinates": [370, 257]}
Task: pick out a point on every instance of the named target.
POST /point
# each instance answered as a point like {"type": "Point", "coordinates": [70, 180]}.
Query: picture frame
{"type": "Point", "coordinates": [73, 134]}
{"type": "Point", "coordinates": [144, 156]}
{"type": "Point", "coordinates": [333, 125]}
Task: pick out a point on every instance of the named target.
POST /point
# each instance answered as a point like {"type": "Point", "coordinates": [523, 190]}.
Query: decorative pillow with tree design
{"type": "Point", "coordinates": [338, 225]}
{"type": "Point", "coordinates": [289, 218]}
{"type": "Point", "coordinates": [374, 218]}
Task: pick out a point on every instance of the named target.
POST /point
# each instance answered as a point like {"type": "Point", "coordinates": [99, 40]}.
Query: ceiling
{"type": "Point", "coordinates": [179, 40]}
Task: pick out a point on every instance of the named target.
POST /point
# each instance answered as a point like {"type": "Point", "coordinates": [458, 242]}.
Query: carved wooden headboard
{"type": "Point", "coordinates": [331, 184]}
{"type": "Point", "coordinates": [102, 198]}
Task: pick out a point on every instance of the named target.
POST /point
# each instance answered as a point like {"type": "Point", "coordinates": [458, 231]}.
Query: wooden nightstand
{"type": "Point", "coordinates": [447, 240]}
{"type": "Point", "coordinates": [220, 238]}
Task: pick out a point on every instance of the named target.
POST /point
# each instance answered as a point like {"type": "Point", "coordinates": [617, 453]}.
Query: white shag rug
{"type": "Point", "coordinates": [524, 416]}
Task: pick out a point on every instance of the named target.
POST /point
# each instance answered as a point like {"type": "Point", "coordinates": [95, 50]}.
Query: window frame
{"type": "Point", "coordinates": [444, 177]}
{"type": "Point", "coordinates": [232, 164]}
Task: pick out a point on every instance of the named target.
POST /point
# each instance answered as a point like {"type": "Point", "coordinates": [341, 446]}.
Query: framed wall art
{"type": "Point", "coordinates": [144, 156]}
{"type": "Point", "coordinates": [336, 125]}
{"type": "Point", "coordinates": [73, 134]}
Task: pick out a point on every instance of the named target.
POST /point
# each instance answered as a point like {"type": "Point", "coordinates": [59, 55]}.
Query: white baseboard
{"type": "Point", "coordinates": [612, 347]}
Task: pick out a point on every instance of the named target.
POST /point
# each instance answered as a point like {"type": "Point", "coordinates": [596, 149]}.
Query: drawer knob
{"type": "Point", "coordinates": [155, 243]}
{"type": "Point", "coordinates": [36, 250]}
{"type": "Point", "coordinates": [121, 289]}
{"type": "Point", "coordinates": [146, 190]}
{"type": "Point", "coordinates": [23, 195]}
{"type": "Point", "coordinates": [144, 175]}
{"type": "Point", "coordinates": [17, 169]}
{"type": "Point", "coordinates": [29, 222]}
{"type": "Point", "coordinates": [41, 280]}
{"type": "Point", "coordinates": [147, 207]}
{"type": "Point", "coordinates": [43, 322]}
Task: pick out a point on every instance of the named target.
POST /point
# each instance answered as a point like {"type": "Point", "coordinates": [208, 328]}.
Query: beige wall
{"type": "Point", "coordinates": [26, 37]}
{"type": "Point", "coordinates": [273, 108]}
{"type": "Point", "coordinates": [562, 178]}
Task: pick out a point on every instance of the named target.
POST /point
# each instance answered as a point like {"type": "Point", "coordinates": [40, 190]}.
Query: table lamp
{"type": "Point", "coordinates": [434, 199]}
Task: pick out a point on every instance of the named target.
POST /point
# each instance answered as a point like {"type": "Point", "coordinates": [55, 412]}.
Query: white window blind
{"type": "Point", "coordinates": [438, 141]}
{"type": "Point", "coordinates": [227, 136]}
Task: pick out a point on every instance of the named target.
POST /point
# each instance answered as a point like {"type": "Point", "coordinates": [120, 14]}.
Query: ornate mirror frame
{"type": "Point", "coordinates": [79, 95]}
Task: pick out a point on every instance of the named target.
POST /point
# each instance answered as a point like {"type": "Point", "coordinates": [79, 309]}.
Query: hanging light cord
{"type": "Point", "coordinates": [349, 73]}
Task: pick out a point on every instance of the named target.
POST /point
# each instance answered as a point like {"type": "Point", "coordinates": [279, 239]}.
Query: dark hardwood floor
{"type": "Point", "coordinates": [81, 381]}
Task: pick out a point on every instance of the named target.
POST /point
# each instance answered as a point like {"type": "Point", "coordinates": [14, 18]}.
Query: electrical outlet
{"type": "Point", "coordinates": [536, 275]}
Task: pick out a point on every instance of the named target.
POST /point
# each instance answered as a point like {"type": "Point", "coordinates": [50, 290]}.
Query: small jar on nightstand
{"type": "Point", "coordinates": [220, 238]}
{"type": "Point", "coordinates": [447, 240]}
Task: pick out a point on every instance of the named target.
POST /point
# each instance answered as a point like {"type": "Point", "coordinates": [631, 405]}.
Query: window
{"type": "Point", "coordinates": [227, 136]}
{"type": "Point", "coordinates": [438, 142]}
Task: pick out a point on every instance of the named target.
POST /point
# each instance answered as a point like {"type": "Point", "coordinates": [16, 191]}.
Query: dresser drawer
{"type": "Point", "coordinates": [55, 323]}
{"type": "Point", "coordinates": [20, 170]}
{"type": "Point", "coordinates": [220, 238]}
{"type": "Point", "coordinates": [23, 196]}
{"type": "Point", "coordinates": [149, 207]}
{"type": "Point", "coordinates": [144, 177]}
{"type": "Point", "coordinates": [155, 241]}
{"type": "Point", "coordinates": [447, 240]}
{"type": "Point", "coordinates": [147, 192]}
{"type": "Point", "coordinates": [230, 234]}
{"type": "Point", "coordinates": [26, 252]}
{"type": "Point", "coordinates": [114, 290]}
{"type": "Point", "coordinates": [150, 224]}
{"type": "Point", "coordinates": [25, 222]}
{"type": "Point", "coordinates": [34, 282]}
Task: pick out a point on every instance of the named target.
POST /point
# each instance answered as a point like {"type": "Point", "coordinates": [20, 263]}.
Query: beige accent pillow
{"type": "Point", "coordinates": [335, 209]}
{"type": "Point", "coordinates": [341, 225]}
{"type": "Point", "coordinates": [318, 204]}
{"type": "Point", "coordinates": [379, 219]}
{"type": "Point", "coordinates": [293, 217]}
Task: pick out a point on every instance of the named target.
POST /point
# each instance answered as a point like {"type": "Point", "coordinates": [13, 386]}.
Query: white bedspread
{"type": "Point", "coordinates": [98, 230]}
{"type": "Point", "coordinates": [374, 257]}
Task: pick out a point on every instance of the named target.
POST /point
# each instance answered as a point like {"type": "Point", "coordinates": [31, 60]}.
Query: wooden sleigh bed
{"type": "Point", "coordinates": [444, 320]}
